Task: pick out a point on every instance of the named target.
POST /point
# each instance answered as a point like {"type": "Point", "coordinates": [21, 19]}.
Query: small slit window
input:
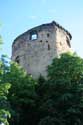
{"type": "Point", "coordinates": [17, 59]}
{"type": "Point", "coordinates": [46, 41]}
{"type": "Point", "coordinates": [68, 42]}
{"type": "Point", "coordinates": [48, 34]}
{"type": "Point", "coordinates": [40, 41]}
{"type": "Point", "coordinates": [48, 47]}
{"type": "Point", "coordinates": [33, 35]}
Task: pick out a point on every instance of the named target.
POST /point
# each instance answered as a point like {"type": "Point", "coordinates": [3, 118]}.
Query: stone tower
{"type": "Point", "coordinates": [35, 49]}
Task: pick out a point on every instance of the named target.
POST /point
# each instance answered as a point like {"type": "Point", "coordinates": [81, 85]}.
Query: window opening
{"type": "Point", "coordinates": [48, 47]}
{"type": "Point", "coordinates": [40, 41]}
{"type": "Point", "coordinates": [48, 34]}
{"type": "Point", "coordinates": [46, 41]}
{"type": "Point", "coordinates": [17, 59]}
{"type": "Point", "coordinates": [33, 35]}
{"type": "Point", "coordinates": [68, 42]}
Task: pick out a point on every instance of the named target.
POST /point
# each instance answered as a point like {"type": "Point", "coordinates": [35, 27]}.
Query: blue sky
{"type": "Point", "coordinates": [17, 16]}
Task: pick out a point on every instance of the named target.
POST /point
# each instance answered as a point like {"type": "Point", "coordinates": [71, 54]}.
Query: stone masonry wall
{"type": "Point", "coordinates": [35, 55]}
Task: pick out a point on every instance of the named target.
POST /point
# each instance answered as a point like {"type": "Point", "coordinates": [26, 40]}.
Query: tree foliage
{"type": "Point", "coordinates": [22, 95]}
{"type": "Point", "coordinates": [4, 89]}
{"type": "Point", "coordinates": [63, 99]}
{"type": "Point", "coordinates": [57, 100]}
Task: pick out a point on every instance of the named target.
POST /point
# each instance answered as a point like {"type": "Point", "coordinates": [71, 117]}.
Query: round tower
{"type": "Point", "coordinates": [35, 49]}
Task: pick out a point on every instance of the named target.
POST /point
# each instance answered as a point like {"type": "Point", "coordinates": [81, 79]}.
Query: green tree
{"type": "Point", "coordinates": [4, 87]}
{"type": "Point", "coordinates": [57, 100]}
{"type": "Point", "coordinates": [22, 96]}
{"type": "Point", "coordinates": [62, 103]}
